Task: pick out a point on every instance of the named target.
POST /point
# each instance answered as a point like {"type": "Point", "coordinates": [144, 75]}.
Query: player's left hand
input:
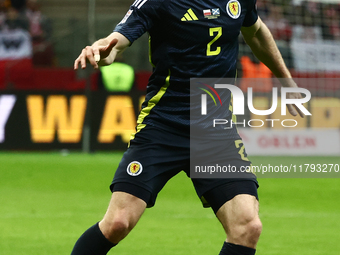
{"type": "Point", "coordinates": [293, 109]}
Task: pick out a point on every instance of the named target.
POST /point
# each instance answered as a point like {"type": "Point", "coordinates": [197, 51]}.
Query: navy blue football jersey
{"type": "Point", "coordinates": [188, 39]}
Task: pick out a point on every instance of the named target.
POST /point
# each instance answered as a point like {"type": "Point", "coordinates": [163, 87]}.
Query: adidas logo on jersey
{"type": "Point", "coordinates": [189, 16]}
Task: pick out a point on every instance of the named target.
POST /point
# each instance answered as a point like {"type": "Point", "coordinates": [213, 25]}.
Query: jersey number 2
{"type": "Point", "coordinates": [241, 149]}
{"type": "Point", "coordinates": [212, 32]}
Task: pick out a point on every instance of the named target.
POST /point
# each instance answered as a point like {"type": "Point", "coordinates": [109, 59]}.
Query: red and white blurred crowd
{"type": "Point", "coordinates": [25, 32]}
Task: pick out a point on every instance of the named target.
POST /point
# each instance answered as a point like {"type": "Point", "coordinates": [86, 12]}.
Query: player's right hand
{"type": "Point", "coordinates": [93, 54]}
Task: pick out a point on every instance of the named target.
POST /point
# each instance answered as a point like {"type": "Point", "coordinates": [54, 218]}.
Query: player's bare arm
{"type": "Point", "coordinates": [102, 52]}
{"type": "Point", "coordinates": [262, 44]}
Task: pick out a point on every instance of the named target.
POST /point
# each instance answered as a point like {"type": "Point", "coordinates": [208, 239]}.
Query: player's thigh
{"type": "Point", "coordinates": [125, 207]}
{"type": "Point", "coordinates": [240, 220]}
{"type": "Point", "coordinates": [238, 212]}
{"type": "Point", "coordinates": [122, 215]}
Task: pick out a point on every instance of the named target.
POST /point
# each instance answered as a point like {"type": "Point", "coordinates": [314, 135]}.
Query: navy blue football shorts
{"type": "Point", "coordinates": [155, 156]}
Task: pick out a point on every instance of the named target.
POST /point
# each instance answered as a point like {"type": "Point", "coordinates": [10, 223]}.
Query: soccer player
{"type": "Point", "coordinates": [197, 38]}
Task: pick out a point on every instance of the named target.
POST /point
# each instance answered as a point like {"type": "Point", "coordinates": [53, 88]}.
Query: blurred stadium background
{"type": "Point", "coordinates": [51, 191]}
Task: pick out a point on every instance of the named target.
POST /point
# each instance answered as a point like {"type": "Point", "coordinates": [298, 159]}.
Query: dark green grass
{"type": "Point", "coordinates": [47, 200]}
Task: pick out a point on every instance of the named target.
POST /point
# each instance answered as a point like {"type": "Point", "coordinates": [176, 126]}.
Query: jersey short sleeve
{"type": "Point", "coordinates": [251, 16]}
{"type": "Point", "coordinates": [140, 18]}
